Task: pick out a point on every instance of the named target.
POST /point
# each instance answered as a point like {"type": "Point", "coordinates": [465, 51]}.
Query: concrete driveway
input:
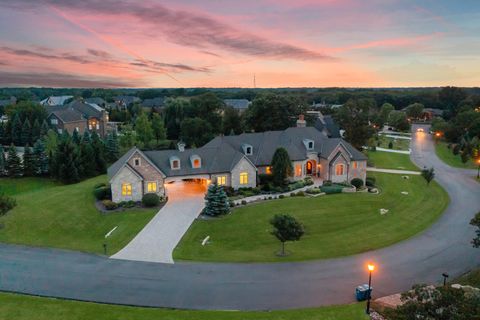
{"type": "Point", "coordinates": [156, 241]}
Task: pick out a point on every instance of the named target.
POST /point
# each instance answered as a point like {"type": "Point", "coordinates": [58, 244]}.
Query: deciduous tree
{"type": "Point", "coordinates": [286, 228]}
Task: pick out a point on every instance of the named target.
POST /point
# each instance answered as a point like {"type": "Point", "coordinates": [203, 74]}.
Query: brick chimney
{"type": "Point", "coordinates": [301, 123]}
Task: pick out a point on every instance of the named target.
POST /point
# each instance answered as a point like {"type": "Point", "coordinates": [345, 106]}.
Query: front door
{"type": "Point", "coordinates": [309, 168]}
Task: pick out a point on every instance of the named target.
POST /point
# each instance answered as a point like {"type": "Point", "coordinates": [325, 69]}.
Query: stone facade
{"type": "Point", "coordinates": [126, 176]}
{"type": "Point", "coordinates": [244, 166]}
{"type": "Point", "coordinates": [151, 174]}
{"type": "Point", "coordinates": [227, 175]}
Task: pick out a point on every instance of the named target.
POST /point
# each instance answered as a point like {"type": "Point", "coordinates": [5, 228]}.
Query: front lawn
{"type": "Point", "coordinates": [20, 307]}
{"type": "Point", "coordinates": [336, 225]}
{"type": "Point", "coordinates": [398, 144]}
{"type": "Point", "coordinates": [65, 217]}
{"type": "Point", "coordinates": [390, 160]}
{"type": "Point", "coordinates": [447, 156]}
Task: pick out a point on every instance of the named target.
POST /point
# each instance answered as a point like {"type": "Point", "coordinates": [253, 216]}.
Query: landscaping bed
{"type": "Point", "coordinates": [266, 188]}
{"type": "Point", "coordinates": [336, 225]}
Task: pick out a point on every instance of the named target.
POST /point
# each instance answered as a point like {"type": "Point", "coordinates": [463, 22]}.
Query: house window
{"type": "Point", "coordinates": [310, 145]}
{"type": "Point", "coordinates": [136, 162]}
{"type": "Point", "coordinates": [339, 170]}
{"type": "Point", "coordinates": [268, 170]}
{"type": "Point", "coordinates": [151, 186]}
{"type": "Point", "coordinates": [196, 163]}
{"type": "Point", "coordinates": [298, 170]}
{"type": "Point", "coordinates": [126, 189]}
{"type": "Point", "coordinates": [244, 178]}
{"type": "Point", "coordinates": [222, 180]}
{"type": "Point", "coordinates": [89, 127]}
{"type": "Point", "coordinates": [355, 165]}
{"type": "Point", "coordinates": [54, 121]}
{"type": "Point", "coordinates": [175, 164]}
{"type": "Point", "coordinates": [98, 126]}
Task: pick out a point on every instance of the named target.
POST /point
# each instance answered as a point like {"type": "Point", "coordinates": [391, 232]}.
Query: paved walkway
{"type": "Point", "coordinates": [393, 150]}
{"type": "Point", "coordinates": [158, 239]}
{"type": "Point", "coordinates": [392, 171]}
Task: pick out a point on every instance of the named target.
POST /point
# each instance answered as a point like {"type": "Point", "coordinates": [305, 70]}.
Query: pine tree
{"type": "Point", "coordinates": [112, 147]}
{"type": "Point", "coordinates": [14, 163]}
{"type": "Point", "coordinates": [41, 159]}
{"type": "Point", "coordinates": [281, 167]}
{"type": "Point", "coordinates": [66, 162]}
{"type": "Point", "coordinates": [36, 129]}
{"type": "Point", "coordinates": [2, 134]}
{"type": "Point", "coordinates": [216, 201]}
{"type": "Point", "coordinates": [44, 128]}
{"type": "Point", "coordinates": [99, 152]}
{"type": "Point", "coordinates": [16, 130]}
{"type": "Point", "coordinates": [86, 137]}
{"type": "Point", "coordinates": [28, 162]}
{"type": "Point", "coordinates": [26, 134]}
{"type": "Point", "coordinates": [2, 161]}
{"type": "Point", "coordinates": [76, 137]}
{"type": "Point", "coordinates": [87, 162]}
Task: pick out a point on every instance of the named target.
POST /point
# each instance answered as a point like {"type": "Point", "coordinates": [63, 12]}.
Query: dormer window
{"type": "Point", "coordinates": [196, 161]}
{"type": "Point", "coordinates": [247, 149]}
{"type": "Point", "coordinates": [174, 163]}
{"type": "Point", "coordinates": [309, 144]}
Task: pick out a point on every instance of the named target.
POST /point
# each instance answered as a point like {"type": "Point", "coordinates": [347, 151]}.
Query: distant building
{"type": "Point", "coordinates": [78, 116]}
{"type": "Point", "coordinates": [124, 102]}
{"type": "Point", "coordinates": [238, 104]}
{"type": "Point", "coordinates": [96, 100]}
{"type": "Point", "coordinates": [325, 105]}
{"type": "Point", "coordinates": [55, 100]}
{"type": "Point", "coordinates": [7, 102]}
{"type": "Point", "coordinates": [430, 113]}
{"type": "Point", "coordinates": [155, 103]}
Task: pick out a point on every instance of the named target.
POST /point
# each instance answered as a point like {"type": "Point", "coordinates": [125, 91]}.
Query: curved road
{"type": "Point", "coordinates": [444, 247]}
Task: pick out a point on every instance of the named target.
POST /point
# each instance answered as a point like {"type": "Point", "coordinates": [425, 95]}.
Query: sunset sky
{"type": "Point", "coordinates": [207, 43]}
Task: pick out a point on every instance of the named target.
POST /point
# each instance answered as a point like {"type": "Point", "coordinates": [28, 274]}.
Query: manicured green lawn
{"type": "Point", "coordinates": [20, 307]}
{"type": "Point", "coordinates": [65, 217]}
{"type": "Point", "coordinates": [398, 144]}
{"type": "Point", "coordinates": [336, 225]}
{"type": "Point", "coordinates": [449, 158]}
{"type": "Point", "coordinates": [390, 160]}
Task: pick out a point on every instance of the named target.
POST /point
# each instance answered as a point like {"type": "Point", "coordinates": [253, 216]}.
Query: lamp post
{"type": "Point", "coordinates": [371, 267]}
{"type": "Point", "coordinates": [445, 276]}
{"type": "Point", "coordinates": [478, 168]}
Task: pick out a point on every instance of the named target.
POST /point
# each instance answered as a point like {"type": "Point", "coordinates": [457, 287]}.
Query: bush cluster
{"type": "Point", "coordinates": [127, 204]}
{"type": "Point", "coordinates": [357, 182]}
{"type": "Point", "coordinates": [150, 200]}
{"type": "Point", "coordinates": [109, 205]}
{"type": "Point", "coordinates": [103, 192]}
{"type": "Point", "coordinates": [6, 204]}
{"type": "Point", "coordinates": [370, 181]}
{"type": "Point", "coordinates": [313, 191]}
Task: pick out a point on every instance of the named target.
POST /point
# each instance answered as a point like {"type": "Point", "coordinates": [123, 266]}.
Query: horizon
{"type": "Point", "coordinates": [260, 44]}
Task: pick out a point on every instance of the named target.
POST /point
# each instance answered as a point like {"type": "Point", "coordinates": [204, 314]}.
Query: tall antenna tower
{"type": "Point", "coordinates": [254, 82]}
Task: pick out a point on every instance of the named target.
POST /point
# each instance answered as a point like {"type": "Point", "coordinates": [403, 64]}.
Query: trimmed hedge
{"type": "Point", "coordinates": [103, 193]}
{"type": "Point", "coordinates": [357, 182]}
{"type": "Point", "coordinates": [332, 189]}
{"type": "Point", "coordinates": [110, 205]}
{"type": "Point", "coordinates": [150, 200]}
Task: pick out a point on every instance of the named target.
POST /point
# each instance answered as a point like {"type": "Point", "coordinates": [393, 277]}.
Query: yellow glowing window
{"type": "Point", "coordinates": [339, 170]}
{"type": "Point", "coordinates": [244, 178]}
{"type": "Point", "coordinates": [298, 170]}
{"type": "Point", "coordinates": [196, 163]}
{"type": "Point", "coordinates": [221, 180]}
{"type": "Point", "coordinates": [126, 189]}
{"type": "Point", "coordinates": [355, 165]}
{"type": "Point", "coordinates": [268, 170]}
{"type": "Point", "coordinates": [151, 186]}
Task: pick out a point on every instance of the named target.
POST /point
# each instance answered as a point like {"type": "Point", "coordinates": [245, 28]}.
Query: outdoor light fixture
{"type": "Point", "coordinates": [445, 276]}
{"type": "Point", "coordinates": [371, 267]}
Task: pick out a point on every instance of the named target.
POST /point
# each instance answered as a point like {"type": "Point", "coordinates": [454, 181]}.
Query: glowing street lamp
{"type": "Point", "coordinates": [371, 268]}
{"type": "Point", "coordinates": [478, 169]}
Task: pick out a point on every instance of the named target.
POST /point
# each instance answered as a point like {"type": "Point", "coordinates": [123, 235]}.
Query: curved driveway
{"type": "Point", "coordinates": [444, 247]}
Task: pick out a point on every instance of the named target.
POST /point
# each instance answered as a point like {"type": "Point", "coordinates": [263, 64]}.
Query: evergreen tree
{"type": "Point", "coordinates": [216, 201]}
{"type": "Point", "coordinates": [87, 162]}
{"type": "Point", "coordinates": [36, 129]}
{"type": "Point", "coordinates": [428, 174]}
{"type": "Point", "coordinates": [16, 131]}
{"type": "Point", "coordinates": [281, 167]}
{"type": "Point", "coordinates": [28, 162]}
{"type": "Point", "coordinates": [158, 127]}
{"type": "Point", "coordinates": [99, 152]}
{"type": "Point", "coordinates": [14, 163]}
{"type": "Point", "coordinates": [2, 161]}
{"type": "Point", "coordinates": [41, 159]}
{"type": "Point", "coordinates": [86, 137]}
{"type": "Point", "coordinates": [3, 137]}
{"type": "Point", "coordinates": [112, 147]}
{"type": "Point", "coordinates": [44, 128]}
{"type": "Point", "coordinates": [76, 137]}
{"type": "Point", "coordinates": [66, 162]}
{"type": "Point", "coordinates": [26, 132]}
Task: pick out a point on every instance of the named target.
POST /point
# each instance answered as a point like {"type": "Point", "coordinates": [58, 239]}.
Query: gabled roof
{"type": "Point", "coordinates": [86, 109]}
{"type": "Point", "coordinates": [239, 104]}
{"type": "Point", "coordinates": [67, 115]}
{"type": "Point", "coordinates": [326, 123]}
{"type": "Point", "coordinates": [155, 102]}
{"type": "Point", "coordinates": [55, 100]}
{"type": "Point", "coordinates": [96, 100]}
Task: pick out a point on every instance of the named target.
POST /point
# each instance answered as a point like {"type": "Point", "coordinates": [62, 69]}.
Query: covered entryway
{"type": "Point", "coordinates": [310, 167]}
{"type": "Point", "coordinates": [160, 236]}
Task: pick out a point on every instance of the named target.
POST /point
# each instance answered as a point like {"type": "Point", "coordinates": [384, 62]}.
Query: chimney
{"type": "Point", "coordinates": [181, 146]}
{"type": "Point", "coordinates": [301, 123]}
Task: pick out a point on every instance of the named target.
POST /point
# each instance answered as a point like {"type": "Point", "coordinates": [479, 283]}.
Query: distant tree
{"type": "Point", "coordinates": [112, 147]}
{"type": "Point", "coordinates": [428, 174]}
{"type": "Point", "coordinates": [476, 223]}
{"type": "Point", "coordinates": [174, 113]}
{"type": "Point", "coordinates": [451, 97]}
{"type": "Point", "coordinates": [76, 137]}
{"type": "Point", "coordinates": [158, 127]}
{"type": "Point", "coordinates": [143, 128]}
{"type": "Point", "coordinates": [216, 201]}
{"type": "Point", "coordinates": [196, 131]}
{"type": "Point", "coordinates": [87, 162]}
{"type": "Point", "coordinates": [36, 130]}
{"type": "Point", "coordinates": [2, 161]}
{"type": "Point", "coordinates": [208, 107]}
{"type": "Point", "coordinates": [232, 121]}
{"type": "Point", "coordinates": [281, 167]}
{"type": "Point", "coordinates": [14, 163]}
{"type": "Point", "coordinates": [415, 110]}
{"type": "Point", "coordinates": [128, 138]}
{"type": "Point", "coordinates": [382, 116]}
{"type": "Point", "coordinates": [41, 158]}
{"type": "Point", "coordinates": [51, 141]}
{"type": "Point", "coordinates": [398, 120]}
{"type": "Point", "coordinates": [16, 130]}
{"type": "Point", "coordinates": [286, 228]}
{"type": "Point", "coordinates": [28, 162]}
{"type": "Point", "coordinates": [4, 136]}
{"type": "Point", "coordinates": [86, 137]}
{"type": "Point", "coordinates": [44, 128]}
{"type": "Point", "coordinates": [99, 152]}
{"type": "Point", "coordinates": [66, 162]}
{"type": "Point", "coordinates": [354, 118]}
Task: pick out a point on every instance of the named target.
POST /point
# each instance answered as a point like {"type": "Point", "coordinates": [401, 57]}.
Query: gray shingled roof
{"type": "Point", "coordinates": [153, 103]}
{"type": "Point", "coordinates": [239, 104]}
{"type": "Point", "coordinates": [88, 110]}
{"type": "Point", "coordinates": [327, 123]}
{"type": "Point", "coordinates": [68, 115]}
{"type": "Point", "coordinates": [117, 165]}
{"type": "Point", "coordinates": [96, 100]}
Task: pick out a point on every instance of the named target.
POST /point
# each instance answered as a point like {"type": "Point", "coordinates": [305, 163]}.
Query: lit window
{"type": "Point", "coordinates": [355, 165]}
{"type": "Point", "coordinates": [222, 180]}
{"type": "Point", "coordinates": [54, 121]}
{"type": "Point", "coordinates": [151, 187]}
{"type": "Point", "coordinates": [196, 163]}
{"type": "Point", "coordinates": [126, 189]}
{"type": "Point", "coordinates": [244, 178]}
{"type": "Point", "coordinates": [175, 164]}
{"type": "Point", "coordinates": [268, 170]}
{"type": "Point", "coordinates": [339, 170]}
{"type": "Point", "coordinates": [136, 162]}
{"type": "Point", "coordinates": [298, 170]}
{"type": "Point", "coordinates": [89, 127]}
{"type": "Point", "coordinates": [98, 126]}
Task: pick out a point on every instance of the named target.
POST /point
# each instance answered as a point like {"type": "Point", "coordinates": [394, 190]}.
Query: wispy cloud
{"type": "Point", "coordinates": [46, 55]}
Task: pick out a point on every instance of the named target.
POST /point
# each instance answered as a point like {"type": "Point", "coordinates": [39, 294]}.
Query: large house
{"type": "Point", "coordinates": [78, 116]}
{"type": "Point", "coordinates": [236, 161]}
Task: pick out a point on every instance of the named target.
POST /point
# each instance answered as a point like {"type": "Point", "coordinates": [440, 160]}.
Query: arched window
{"type": "Point", "coordinates": [339, 170]}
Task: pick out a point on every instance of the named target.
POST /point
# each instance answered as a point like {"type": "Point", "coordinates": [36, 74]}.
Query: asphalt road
{"type": "Point", "coordinates": [444, 247]}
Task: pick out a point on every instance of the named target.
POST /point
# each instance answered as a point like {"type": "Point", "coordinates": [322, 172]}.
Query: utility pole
{"type": "Point", "coordinates": [254, 82]}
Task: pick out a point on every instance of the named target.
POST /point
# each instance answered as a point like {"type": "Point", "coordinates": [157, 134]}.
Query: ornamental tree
{"type": "Point", "coordinates": [216, 201]}
{"type": "Point", "coordinates": [286, 228]}
{"type": "Point", "coordinates": [428, 174]}
{"type": "Point", "coordinates": [281, 167]}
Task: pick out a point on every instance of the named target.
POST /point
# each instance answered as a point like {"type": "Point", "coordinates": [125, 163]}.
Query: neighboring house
{"type": "Point", "coordinates": [327, 125]}
{"type": "Point", "coordinates": [7, 102]}
{"type": "Point", "coordinates": [124, 102]}
{"type": "Point", "coordinates": [236, 161]}
{"type": "Point", "coordinates": [55, 101]}
{"type": "Point", "coordinates": [238, 104]}
{"type": "Point", "coordinates": [79, 116]}
{"type": "Point", "coordinates": [155, 103]}
{"type": "Point", "coordinates": [97, 100]}
{"type": "Point", "coordinates": [430, 113]}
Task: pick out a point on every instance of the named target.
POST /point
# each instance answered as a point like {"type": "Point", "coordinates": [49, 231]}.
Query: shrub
{"type": "Point", "coordinates": [232, 203]}
{"type": "Point", "coordinates": [256, 191]}
{"type": "Point", "coordinates": [390, 145]}
{"type": "Point", "coordinates": [103, 193]}
{"type": "Point", "coordinates": [374, 148]}
{"type": "Point", "coordinates": [370, 182]}
{"type": "Point", "coordinates": [332, 189]}
{"type": "Point", "coordinates": [308, 181]}
{"type": "Point", "coordinates": [296, 185]}
{"type": "Point", "coordinates": [244, 202]}
{"type": "Point", "coordinates": [327, 183]}
{"type": "Point", "coordinates": [292, 194]}
{"type": "Point", "coordinates": [99, 185]}
{"type": "Point", "coordinates": [266, 187]}
{"type": "Point", "coordinates": [357, 182]}
{"type": "Point", "coordinates": [229, 191]}
{"type": "Point", "coordinates": [6, 204]}
{"type": "Point", "coordinates": [281, 196]}
{"type": "Point", "coordinates": [456, 149]}
{"type": "Point", "coordinates": [313, 191]}
{"type": "Point", "coordinates": [109, 205]}
{"type": "Point", "coordinates": [265, 178]}
{"type": "Point", "coordinates": [150, 200]}
{"type": "Point", "coordinates": [300, 194]}
{"type": "Point", "coordinates": [127, 204]}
